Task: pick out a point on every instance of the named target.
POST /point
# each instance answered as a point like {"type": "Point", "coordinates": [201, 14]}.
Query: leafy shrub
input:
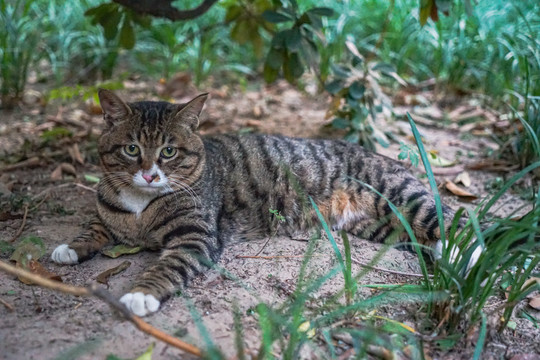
{"type": "Point", "coordinates": [18, 41]}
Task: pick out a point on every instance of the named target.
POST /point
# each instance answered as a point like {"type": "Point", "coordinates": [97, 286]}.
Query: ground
{"type": "Point", "coordinates": [38, 323]}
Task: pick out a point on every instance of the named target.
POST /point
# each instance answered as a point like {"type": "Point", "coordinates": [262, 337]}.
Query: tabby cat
{"type": "Point", "coordinates": [166, 187]}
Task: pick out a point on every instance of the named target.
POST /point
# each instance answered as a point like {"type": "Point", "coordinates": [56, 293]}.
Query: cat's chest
{"type": "Point", "coordinates": [135, 202]}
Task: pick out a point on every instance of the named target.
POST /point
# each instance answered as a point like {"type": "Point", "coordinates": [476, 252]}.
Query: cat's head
{"type": "Point", "coordinates": [151, 146]}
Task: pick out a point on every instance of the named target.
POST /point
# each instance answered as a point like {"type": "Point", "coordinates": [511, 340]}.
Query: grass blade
{"type": "Point", "coordinates": [481, 339]}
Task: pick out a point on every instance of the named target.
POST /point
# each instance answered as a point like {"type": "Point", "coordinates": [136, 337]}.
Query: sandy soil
{"type": "Point", "coordinates": [49, 325]}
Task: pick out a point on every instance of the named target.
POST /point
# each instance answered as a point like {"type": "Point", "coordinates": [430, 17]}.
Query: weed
{"type": "Point", "coordinates": [277, 215]}
{"type": "Point", "coordinates": [18, 42]}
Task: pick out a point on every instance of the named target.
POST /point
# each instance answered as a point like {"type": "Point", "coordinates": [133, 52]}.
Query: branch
{"type": "Point", "coordinates": [101, 293]}
{"type": "Point", "coordinates": [164, 9]}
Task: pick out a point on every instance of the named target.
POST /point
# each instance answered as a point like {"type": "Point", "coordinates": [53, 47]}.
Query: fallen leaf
{"type": "Point", "coordinates": [93, 108]}
{"type": "Point", "coordinates": [120, 250]}
{"type": "Point", "coordinates": [68, 169]}
{"type": "Point", "coordinates": [437, 160]}
{"type": "Point", "coordinates": [29, 248]}
{"type": "Point", "coordinates": [63, 168]}
{"type": "Point", "coordinates": [91, 178]}
{"type": "Point", "coordinates": [75, 154]}
{"type": "Point", "coordinates": [463, 178]}
{"type": "Point", "coordinates": [456, 190]}
{"type": "Point", "coordinates": [511, 325]}
{"type": "Point", "coordinates": [103, 278]}
{"type": "Point", "coordinates": [36, 268]}
{"type": "Point", "coordinates": [57, 173]}
{"type": "Point", "coordinates": [257, 111]}
{"type": "Point", "coordinates": [534, 302]}
{"type": "Point", "coordinates": [147, 355]}
{"type": "Point", "coordinates": [530, 281]}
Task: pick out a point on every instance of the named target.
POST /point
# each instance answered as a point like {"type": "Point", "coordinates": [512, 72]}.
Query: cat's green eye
{"type": "Point", "coordinates": [168, 152]}
{"type": "Point", "coordinates": [132, 150]}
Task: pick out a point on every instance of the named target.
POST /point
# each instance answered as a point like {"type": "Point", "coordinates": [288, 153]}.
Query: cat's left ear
{"type": "Point", "coordinates": [189, 113]}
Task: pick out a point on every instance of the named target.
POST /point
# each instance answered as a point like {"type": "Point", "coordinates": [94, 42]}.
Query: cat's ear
{"type": "Point", "coordinates": [189, 113]}
{"type": "Point", "coordinates": [113, 107]}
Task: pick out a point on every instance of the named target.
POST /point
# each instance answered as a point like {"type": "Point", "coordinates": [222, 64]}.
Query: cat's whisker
{"type": "Point", "coordinates": [187, 189]}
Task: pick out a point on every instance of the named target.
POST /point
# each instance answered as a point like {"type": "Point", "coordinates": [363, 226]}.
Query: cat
{"type": "Point", "coordinates": [166, 187]}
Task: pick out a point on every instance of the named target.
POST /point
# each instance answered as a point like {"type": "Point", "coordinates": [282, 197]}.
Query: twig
{"type": "Point", "coordinates": [44, 282]}
{"type": "Point", "coordinates": [40, 202]}
{"type": "Point", "coordinates": [387, 270]}
{"type": "Point", "coordinates": [268, 257]}
{"type": "Point", "coordinates": [19, 232]}
{"type": "Point", "coordinates": [101, 293]}
{"type": "Point", "coordinates": [33, 161]}
{"type": "Point", "coordinates": [47, 192]}
{"type": "Point", "coordinates": [262, 247]}
{"type": "Point", "coordinates": [85, 187]}
{"type": "Point", "coordinates": [8, 305]}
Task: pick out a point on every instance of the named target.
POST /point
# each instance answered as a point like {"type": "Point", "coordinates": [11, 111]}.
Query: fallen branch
{"type": "Point", "coordinates": [33, 161]}
{"type": "Point", "coordinates": [165, 9]}
{"type": "Point", "coordinates": [21, 228]}
{"type": "Point", "coordinates": [7, 305]}
{"type": "Point", "coordinates": [101, 293]}
{"type": "Point", "coordinates": [387, 270]}
{"type": "Point", "coordinates": [268, 257]}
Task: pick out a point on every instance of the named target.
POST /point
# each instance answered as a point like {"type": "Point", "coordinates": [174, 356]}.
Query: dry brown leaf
{"type": "Point", "coordinates": [257, 111]}
{"type": "Point", "coordinates": [456, 190]}
{"type": "Point", "coordinates": [103, 278]}
{"type": "Point", "coordinates": [75, 154]}
{"type": "Point", "coordinates": [63, 168]}
{"type": "Point", "coordinates": [36, 268]}
{"type": "Point", "coordinates": [463, 178]}
{"type": "Point", "coordinates": [529, 281]}
{"type": "Point", "coordinates": [93, 108]}
{"type": "Point", "coordinates": [534, 302]}
{"type": "Point", "coordinates": [57, 173]}
{"type": "Point", "coordinates": [68, 169]}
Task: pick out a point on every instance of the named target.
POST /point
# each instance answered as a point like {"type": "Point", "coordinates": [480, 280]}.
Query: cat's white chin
{"type": "Point", "coordinates": [140, 304]}
{"type": "Point", "coordinates": [64, 255]}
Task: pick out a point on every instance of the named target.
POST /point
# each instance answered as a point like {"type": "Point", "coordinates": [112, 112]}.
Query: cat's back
{"type": "Point", "coordinates": [259, 150]}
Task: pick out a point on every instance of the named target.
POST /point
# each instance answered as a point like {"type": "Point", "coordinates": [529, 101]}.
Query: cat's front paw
{"type": "Point", "coordinates": [64, 255]}
{"type": "Point", "coordinates": [140, 304]}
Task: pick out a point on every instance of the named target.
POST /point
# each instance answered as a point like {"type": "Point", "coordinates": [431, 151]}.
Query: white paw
{"type": "Point", "coordinates": [454, 252]}
{"type": "Point", "coordinates": [140, 304]}
{"type": "Point", "coordinates": [64, 255]}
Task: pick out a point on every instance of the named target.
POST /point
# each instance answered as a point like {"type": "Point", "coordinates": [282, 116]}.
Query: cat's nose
{"type": "Point", "coordinates": [149, 178]}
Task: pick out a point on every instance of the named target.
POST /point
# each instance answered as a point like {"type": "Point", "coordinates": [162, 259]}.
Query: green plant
{"type": "Point", "coordinates": [18, 41]}
{"type": "Point", "coordinates": [358, 98]}
{"type": "Point", "coordinates": [408, 152]}
{"type": "Point", "coordinates": [79, 91]}
{"type": "Point", "coordinates": [506, 243]}
{"type": "Point", "coordinates": [294, 48]}
{"type": "Point", "coordinates": [526, 143]}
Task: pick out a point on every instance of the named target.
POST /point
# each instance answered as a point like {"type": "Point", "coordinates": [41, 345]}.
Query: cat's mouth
{"type": "Point", "coordinates": [150, 181]}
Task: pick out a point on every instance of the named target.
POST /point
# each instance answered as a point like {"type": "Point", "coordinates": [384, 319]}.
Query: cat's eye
{"type": "Point", "coordinates": [132, 150]}
{"type": "Point", "coordinates": [168, 152]}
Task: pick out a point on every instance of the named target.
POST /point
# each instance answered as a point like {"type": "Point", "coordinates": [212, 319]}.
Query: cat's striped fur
{"type": "Point", "coordinates": [221, 187]}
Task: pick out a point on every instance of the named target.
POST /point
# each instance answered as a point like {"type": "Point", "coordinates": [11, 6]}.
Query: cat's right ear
{"type": "Point", "coordinates": [189, 113]}
{"type": "Point", "coordinates": [113, 107]}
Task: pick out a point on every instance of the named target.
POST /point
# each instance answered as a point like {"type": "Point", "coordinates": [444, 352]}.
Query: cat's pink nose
{"type": "Point", "coordinates": [149, 178]}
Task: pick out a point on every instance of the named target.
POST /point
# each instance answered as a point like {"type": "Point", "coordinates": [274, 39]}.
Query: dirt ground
{"type": "Point", "coordinates": [43, 324]}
